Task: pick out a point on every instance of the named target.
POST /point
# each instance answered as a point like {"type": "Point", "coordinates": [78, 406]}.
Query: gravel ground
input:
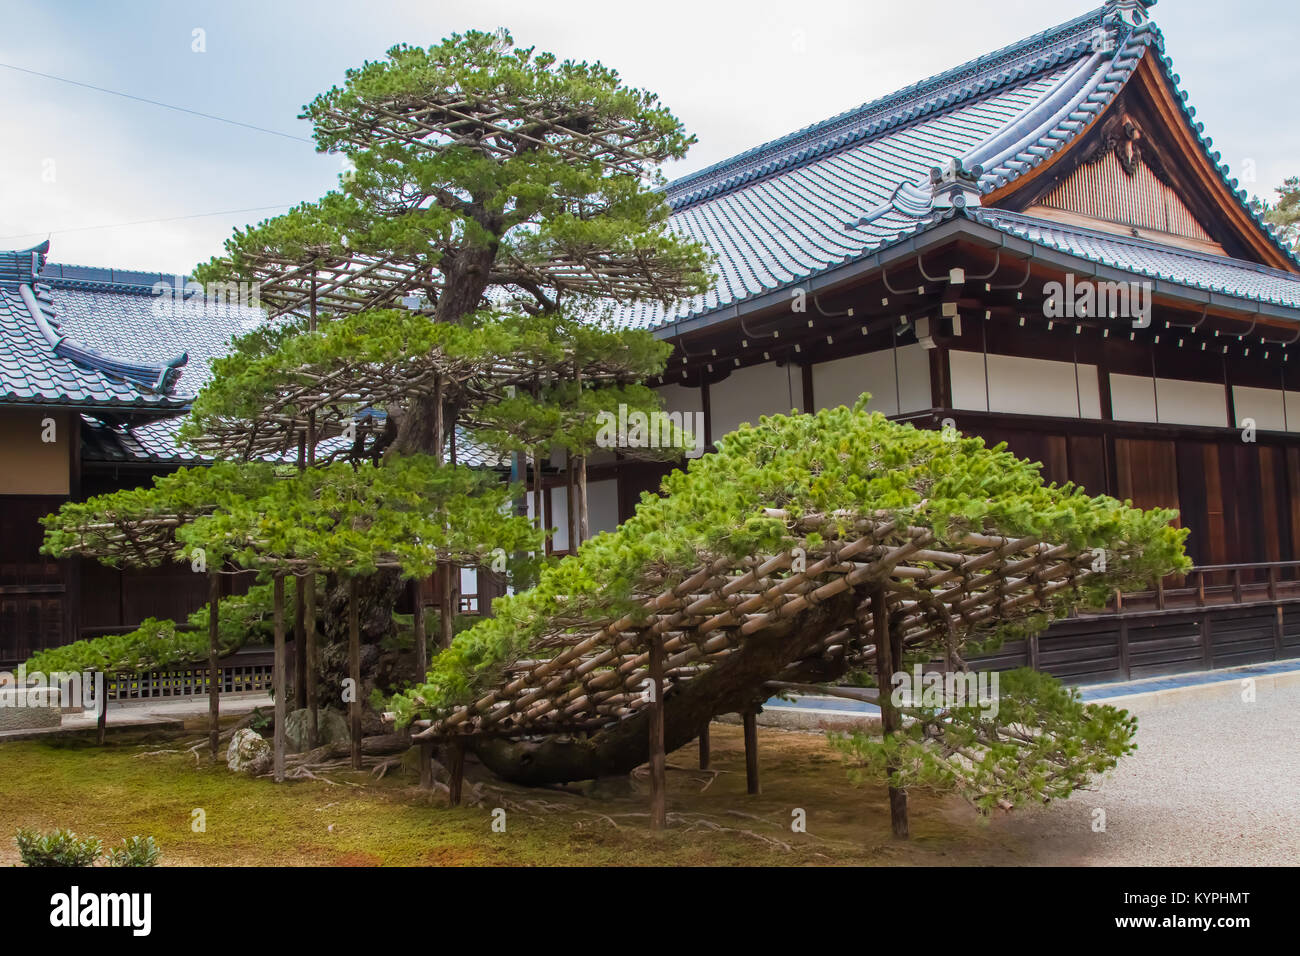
{"type": "Point", "coordinates": [1213, 782]}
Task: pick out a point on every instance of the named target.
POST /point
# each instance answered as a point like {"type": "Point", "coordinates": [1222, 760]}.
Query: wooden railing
{"type": "Point", "coordinates": [1214, 585]}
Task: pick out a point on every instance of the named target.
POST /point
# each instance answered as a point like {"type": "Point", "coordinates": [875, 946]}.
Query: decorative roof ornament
{"type": "Point", "coordinates": [953, 186]}
{"type": "Point", "coordinates": [21, 267]}
{"type": "Point", "coordinates": [1133, 12]}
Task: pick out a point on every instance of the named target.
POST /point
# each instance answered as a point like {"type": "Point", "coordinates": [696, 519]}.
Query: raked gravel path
{"type": "Point", "coordinates": [1215, 781]}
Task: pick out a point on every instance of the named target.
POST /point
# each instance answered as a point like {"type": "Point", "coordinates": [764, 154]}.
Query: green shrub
{"type": "Point", "coordinates": [59, 848]}
{"type": "Point", "coordinates": [137, 851]}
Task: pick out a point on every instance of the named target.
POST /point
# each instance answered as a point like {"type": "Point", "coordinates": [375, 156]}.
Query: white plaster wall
{"type": "Point", "coordinates": [894, 389]}
{"type": "Point", "coordinates": [966, 379]}
{"type": "Point", "coordinates": [1132, 398]}
{"type": "Point", "coordinates": [690, 402]}
{"type": "Point", "coordinates": [1192, 403]}
{"type": "Point", "coordinates": [750, 392]}
{"type": "Point", "coordinates": [913, 378]}
{"type": "Point", "coordinates": [560, 518]}
{"type": "Point", "coordinates": [1292, 400]}
{"type": "Point", "coordinates": [602, 506]}
{"type": "Point", "coordinates": [1265, 405]}
{"type": "Point", "coordinates": [1024, 386]}
{"type": "Point", "coordinates": [1139, 398]}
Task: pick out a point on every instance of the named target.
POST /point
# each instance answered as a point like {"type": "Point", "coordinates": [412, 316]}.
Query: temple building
{"type": "Point", "coordinates": [1039, 247]}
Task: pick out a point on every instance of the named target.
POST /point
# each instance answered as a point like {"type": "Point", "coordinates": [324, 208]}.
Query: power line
{"type": "Point", "coordinates": [166, 106]}
{"type": "Point", "coordinates": [144, 222]}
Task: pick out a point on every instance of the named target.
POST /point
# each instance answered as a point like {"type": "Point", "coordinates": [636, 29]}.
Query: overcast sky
{"type": "Point", "coordinates": [737, 75]}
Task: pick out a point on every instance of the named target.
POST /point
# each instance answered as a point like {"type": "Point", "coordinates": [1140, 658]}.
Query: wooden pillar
{"type": "Point", "coordinates": [570, 503]}
{"type": "Point", "coordinates": [889, 718]}
{"type": "Point", "coordinates": [448, 599]}
{"type": "Point", "coordinates": [101, 723]}
{"type": "Point", "coordinates": [417, 626]}
{"type": "Point", "coordinates": [313, 667]}
{"type": "Point", "coordinates": [539, 509]}
{"type": "Point", "coordinates": [354, 671]}
{"type": "Point", "coordinates": [658, 761]}
{"type": "Point", "coordinates": [422, 668]}
{"type": "Point", "coordinates": [456, 755]}
{"type": "Point", "coordinates": [279, 678]}
{"type": "Point", "coordinates": [584, 516]}
{"type": "Point", "coordinates": [299, 644]}
{"type": "Point", "coordinates": [704, 748]}
{"type": "Point", "coordinates": [214, 672]}
{"type": "Point", "coordinates": [750, 720]}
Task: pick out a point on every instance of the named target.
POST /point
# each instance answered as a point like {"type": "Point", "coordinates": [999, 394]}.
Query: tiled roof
{"type": "Point", "coordinates": [1142, 257]}
{"type": "Point", "coordinates": [118, 312]}
{"type": "Point", "coordinates": [38, 367]}
{"type": "Point", "coordinates": [155, 443]}
{"type": "Point", "coordinates": [846, 188]}
{"type": "Point", "coordinates": [153, 328]}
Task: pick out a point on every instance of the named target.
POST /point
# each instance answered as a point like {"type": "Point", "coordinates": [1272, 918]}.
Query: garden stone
{"type": "Point", "coordinates": [249, 752]}
{"type": "Point", "coordinates": [332, 727]}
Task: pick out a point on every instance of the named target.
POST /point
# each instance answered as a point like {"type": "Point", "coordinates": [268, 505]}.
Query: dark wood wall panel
{"type": "Point", "coordinates": [1164, 647]}
{"type": "Point", "coordinates": [29, 623]}
{"type": "Point", "coordinates": [1243, 638]}
{"type": "Point", "coordinates": [1080, 653]}
{"type": "Point", "coordinates": [1147, 472]}
{"type": "Point", "coordinates": [1291, 631]}
{"type": "Point", "coordinates": [32, 586]}
{"type": "Point", "coordinates": [1200, 494]}
{"type": "Point", "coordinates": [1088, 458]}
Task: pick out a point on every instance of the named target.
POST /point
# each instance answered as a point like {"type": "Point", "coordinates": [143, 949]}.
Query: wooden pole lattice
{"type": "Point", "coordinates": [598, 675]}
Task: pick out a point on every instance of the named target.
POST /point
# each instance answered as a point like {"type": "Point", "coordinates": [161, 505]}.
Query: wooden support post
{"type": "Point", "coordinates": [539, 508]}
{"type": "Point", "coordinates": [1125, 664]}
{"type": "Point", "coordinates": [889, 719]}
{"type": "Point", "coordinates": [571, 511]}
{"type": "Point", "coordinates": [584, 515]}
{"type": "Point", "coordinates": [456, 756]}
{"type": "Point", "coordinates": [299, 644]}
{"type": "Point", "coordinates": [313, 667]}
{"type": "Point", "coordinates": [750, 720]}
{"type": "Point", "coordinates": [422, 668]}
{"type": "Point", "coordinates": [101, 723]}
{"type": "Point", "coordinates": [448, 598]}
{"type": "Point", "coordinates": [417, 625]}
{"type": "Point", "coordinates": [1278, 632]}
{"type": "Point", "coordinates": [278, 678]}
{"type": "Point", "coordinates": [704, 748]}
{"type": "Point", "coordinates": [214, 673]}
{"type": "Point", "coordinates": [426, 765]}
{"type": "Point", "coordinates": [658, 761]}
{"type": "Point", "coordinates": [354, 671]}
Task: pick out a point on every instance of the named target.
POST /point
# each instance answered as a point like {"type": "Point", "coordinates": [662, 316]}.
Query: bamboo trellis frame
{"type": "Point", "coordinates": [597, 675]}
